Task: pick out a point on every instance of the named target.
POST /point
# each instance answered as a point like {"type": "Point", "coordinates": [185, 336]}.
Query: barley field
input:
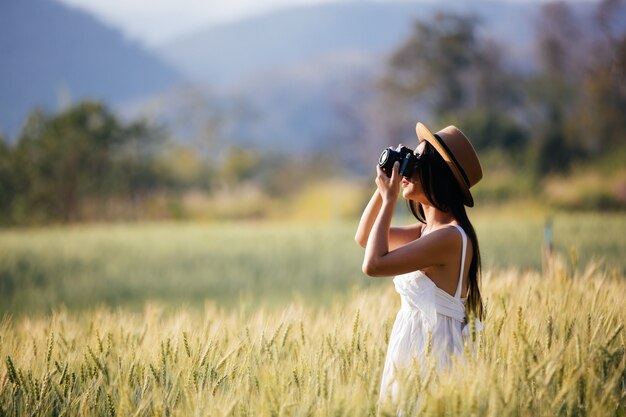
{"type": "Point", "coordinates": [277, 320]}
{"type": "Point", "coordinates": [554, 345]}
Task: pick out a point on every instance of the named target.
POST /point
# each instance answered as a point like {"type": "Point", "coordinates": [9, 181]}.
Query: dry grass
{"type": "Point", "coordinates": [554, 345]}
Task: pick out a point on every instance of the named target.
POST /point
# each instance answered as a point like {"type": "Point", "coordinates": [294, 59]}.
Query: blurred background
{"type": "Point", "coordinates": [139, 139]}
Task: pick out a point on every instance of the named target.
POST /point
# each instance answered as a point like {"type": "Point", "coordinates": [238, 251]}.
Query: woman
{"type": "Point", "coordinates": [436, 261]}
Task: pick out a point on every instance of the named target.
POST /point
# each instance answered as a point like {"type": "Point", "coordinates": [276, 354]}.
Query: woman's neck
{"type": "Point", "coordinates": [436, 218]}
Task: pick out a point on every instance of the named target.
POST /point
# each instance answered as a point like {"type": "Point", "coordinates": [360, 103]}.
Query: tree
{"type": "Point", "coordinates": [445, 69]}
{"type": "Point", "coordinates": [579, 94]}
{"type": "Point", "coordinates": [8, 188]}
{"type": "Point", "coordinates": [239, 165]}
{"type": "Point", "coordinates": [553, 90]}
{"type": "Point", "coordinates": [433, 63]}
{"type": "Point", "coordinates": [605, 89]}
{"type": "Point", "coordinates": [602, 116]}
{"type": "Point", "coordinates": [84, 152]}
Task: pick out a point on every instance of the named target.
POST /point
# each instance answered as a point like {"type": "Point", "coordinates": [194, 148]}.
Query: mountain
{"type": "Point", "coordinates": [299, 68]}
{"type": "Point", "coordinates": [52, 53]}
{"type": "Point", "coordinates": [287, 37]}
{"type": "Point", "coordinates": [236, 51]}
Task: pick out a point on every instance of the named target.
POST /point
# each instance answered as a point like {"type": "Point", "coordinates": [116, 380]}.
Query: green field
{"type": "Point", "coordinates": [184, 264]}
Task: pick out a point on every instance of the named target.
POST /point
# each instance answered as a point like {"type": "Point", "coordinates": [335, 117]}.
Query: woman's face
{"type": "Point", "coordinates": [412, 187]}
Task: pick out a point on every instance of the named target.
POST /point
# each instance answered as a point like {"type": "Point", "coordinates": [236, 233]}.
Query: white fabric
{"type": "Point", "coordinates": [426, 309]}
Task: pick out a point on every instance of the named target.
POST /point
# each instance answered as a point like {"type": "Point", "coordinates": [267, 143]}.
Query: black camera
{"type": "Point", "coordinates": [402, 154]}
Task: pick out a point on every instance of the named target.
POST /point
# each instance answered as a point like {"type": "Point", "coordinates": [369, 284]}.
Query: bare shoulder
{"type": "Point", "coordinates": [452, 239]}
{"type": "Point", "coordinates": [447, 240]}
{"type": "Point", "coordinates": [439, 245]}
{"type": "Point", "coordinates": [452, 236]}
{"type": "Point", "coordinates": [445, 234]}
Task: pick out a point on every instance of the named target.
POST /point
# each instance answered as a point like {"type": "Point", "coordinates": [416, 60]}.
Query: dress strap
{"type": "Point", "coordinates": [457, 294]}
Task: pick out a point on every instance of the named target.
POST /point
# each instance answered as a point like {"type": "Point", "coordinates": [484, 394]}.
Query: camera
{"type": "Point", "coordinates": [406, 157]}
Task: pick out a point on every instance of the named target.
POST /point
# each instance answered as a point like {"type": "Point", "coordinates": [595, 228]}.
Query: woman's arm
{"type": "Point", "coordinates": [432, 249]}
{"type": "Point", "coordinates": [367, 219]}
{"type": "Point", "coordinates": [378, 243]}
{"type": "Point", "coordinates": [426, 251]}
{"type": "Point", "coordinates": [398, 236]}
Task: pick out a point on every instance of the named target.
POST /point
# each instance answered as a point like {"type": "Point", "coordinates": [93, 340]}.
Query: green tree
{"type": "Point", "coordinates": [601, 112]}
{"type": "Point", "coordinates": [553, 91]}
{"type": "Point", "coordinates": [240, 164]}
{"type": "Point", "coordinates": [445, 68]}
{"type": "Point", "coordinates": [433, 61]}
{"type": "Point", "coordinates": [579, 94]}
{"type": "Point", "coordinates": [8, 187]}
{"type": "Point", "coordinates": [84, 152]}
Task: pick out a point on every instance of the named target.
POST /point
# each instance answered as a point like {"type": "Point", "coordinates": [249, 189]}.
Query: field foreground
{"type": "Point", "coordinates": [268, 264]}
{"type": "Point", "coordinates": [554, 344]}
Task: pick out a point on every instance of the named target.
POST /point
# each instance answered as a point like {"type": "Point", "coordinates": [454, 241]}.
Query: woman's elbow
{"type": "Point", "coordinates": [360, 241]}
{"type": "Point", "coordinates": [369, 268]}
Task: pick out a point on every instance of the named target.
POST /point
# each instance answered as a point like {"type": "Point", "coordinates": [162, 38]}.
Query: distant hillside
{"type": "Point", "coordinates": [290, 37]}
{"type": "Point", "coordinates": [287, 37]}
{"type": "Point", "coordinates": [51, 53]}
{"type": "Point", "coordinates": [299, 68]}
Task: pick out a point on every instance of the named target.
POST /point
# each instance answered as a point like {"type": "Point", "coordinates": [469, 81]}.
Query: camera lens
{"type": "Point", "coordinates": [383, 158]}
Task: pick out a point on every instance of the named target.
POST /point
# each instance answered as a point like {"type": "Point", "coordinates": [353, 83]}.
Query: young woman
{"type": "Point", "coordinates": [436, 261]}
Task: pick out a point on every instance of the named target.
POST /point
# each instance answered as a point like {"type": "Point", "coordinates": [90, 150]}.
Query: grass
{"type": "Point", "coordinates": [554, 345]}
{"type": "Point", "coordinates": [262, 263]}
{"type": "Point", "coordinates": [176, 263]}
{"type": "Point", "coordinates": [276, 319]}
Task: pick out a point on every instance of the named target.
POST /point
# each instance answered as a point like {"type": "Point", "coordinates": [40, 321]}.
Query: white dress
{"type": "Point", "coordinates": [426, 309]}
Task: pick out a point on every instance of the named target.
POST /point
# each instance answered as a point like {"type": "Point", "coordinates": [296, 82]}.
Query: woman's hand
{"type": "Point", "coordinates": [388, 187]}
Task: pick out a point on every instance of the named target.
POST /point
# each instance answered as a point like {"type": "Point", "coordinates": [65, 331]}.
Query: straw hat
{"type": "Point", "coordinates": [458, 153]}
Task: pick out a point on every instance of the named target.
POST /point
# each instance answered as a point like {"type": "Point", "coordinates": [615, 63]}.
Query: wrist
{"type": "Point", "coordinates": [389, 199]}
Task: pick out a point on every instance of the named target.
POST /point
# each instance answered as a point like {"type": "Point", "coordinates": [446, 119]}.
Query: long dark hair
{"type": "Point", "coordinates": [444, 193]}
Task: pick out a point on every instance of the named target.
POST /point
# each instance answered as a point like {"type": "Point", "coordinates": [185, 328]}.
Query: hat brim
{"type": "Point", "coordinates": [423, 133]}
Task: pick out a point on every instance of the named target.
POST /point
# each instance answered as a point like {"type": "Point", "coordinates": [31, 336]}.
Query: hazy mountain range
{"type": "Point", "coordinates": [298, 35]}
{"type": "Point", "coordinates": [291, 69]}
{"type": "Point", "coordinates": [297, 69]}
{"type": "Point", "coordinates": [52, 54]}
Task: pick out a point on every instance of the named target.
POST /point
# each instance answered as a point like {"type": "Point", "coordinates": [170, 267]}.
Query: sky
{"type": "Point", "coordinates": [154, 22]}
